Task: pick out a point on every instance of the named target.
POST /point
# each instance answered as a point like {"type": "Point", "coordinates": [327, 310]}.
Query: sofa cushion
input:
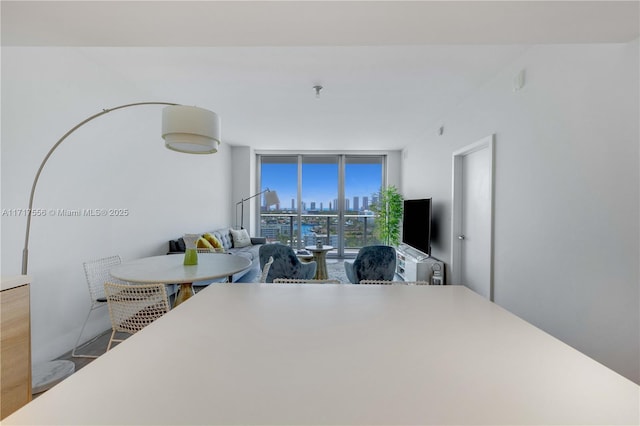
{"type": "Point", "coordinates": [241, 238]}
{"type": "Point", "coordinates": [224, 237]}
{"type": "Point", "coordinates": [204, 243]}
{"type": "Point", "coordinates": [215, 243]}
{"type": "Point", "coordinates": [176, 246]}
{"type": "Point", "coordinates": [246, 254]}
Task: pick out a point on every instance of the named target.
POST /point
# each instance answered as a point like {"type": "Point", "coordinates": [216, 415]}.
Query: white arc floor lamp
{"type": "Point", "coordinates": [270, 198]}
{"type": "Point", "coordinates": [186, 129]}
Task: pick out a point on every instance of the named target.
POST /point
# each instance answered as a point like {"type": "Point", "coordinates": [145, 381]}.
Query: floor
{"type": "Point", "coordinates": [95, 347]}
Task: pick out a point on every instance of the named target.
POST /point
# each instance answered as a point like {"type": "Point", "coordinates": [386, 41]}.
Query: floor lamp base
{"type": "Point", "coordinates": [47, 374]}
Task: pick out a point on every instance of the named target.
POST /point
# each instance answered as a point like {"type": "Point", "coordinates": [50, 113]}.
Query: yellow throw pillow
{"type": "Point", "coordinates": [215, 243]}
{"type": "Point", "coordinates": [203, 243]}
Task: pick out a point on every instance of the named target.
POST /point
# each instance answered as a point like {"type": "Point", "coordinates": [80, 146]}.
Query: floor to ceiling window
{"type": "Point", "coordinates": [362, 182]}
{"type": "Point", "coordinates": [322, 197]}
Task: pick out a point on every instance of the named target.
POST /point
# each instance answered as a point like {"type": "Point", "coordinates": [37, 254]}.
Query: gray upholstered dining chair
{"type": "Point", "coordinates": [372, 263]}
{"type": "Point", "coordinates": [285, 263]}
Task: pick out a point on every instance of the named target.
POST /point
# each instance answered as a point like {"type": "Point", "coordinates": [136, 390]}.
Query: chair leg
{"type": "Point", "coordinates": [111, 340]}
{"type": "Point", "coordinates": [75, 347]}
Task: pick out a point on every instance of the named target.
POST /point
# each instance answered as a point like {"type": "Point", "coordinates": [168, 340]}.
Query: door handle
{"type": "Point", "coordinates": [461, 237]}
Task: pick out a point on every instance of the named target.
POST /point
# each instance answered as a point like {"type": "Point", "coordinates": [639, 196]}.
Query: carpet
{"type": "Point", "coordinates": [335, 270]}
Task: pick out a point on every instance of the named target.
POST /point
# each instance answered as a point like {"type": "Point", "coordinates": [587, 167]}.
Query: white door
{"type": "Point", "coordinates": [472, 233]}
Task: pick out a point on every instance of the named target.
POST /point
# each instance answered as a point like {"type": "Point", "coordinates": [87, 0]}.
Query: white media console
{"type": "Point", "coordinates": [414, 265]}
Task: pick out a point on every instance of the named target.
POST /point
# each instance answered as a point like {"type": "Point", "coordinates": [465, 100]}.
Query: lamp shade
{"type": "Point", "coordinates": [190, 129]}
{"type": "Point", "coordinates": [271, 198]}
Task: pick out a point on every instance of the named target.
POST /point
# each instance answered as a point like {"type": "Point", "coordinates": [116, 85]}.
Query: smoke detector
{"type": "Point", "coordinates": [317, 88]}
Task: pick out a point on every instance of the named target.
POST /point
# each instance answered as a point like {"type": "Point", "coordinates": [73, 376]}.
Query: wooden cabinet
{"type": "Point", "coordinates": [15, 344]}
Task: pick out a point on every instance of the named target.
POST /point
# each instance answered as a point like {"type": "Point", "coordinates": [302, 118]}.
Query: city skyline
{"type": "Point", "coordinates": [356, 203]}
{"type": "Point", "coordinates": [320, 184]}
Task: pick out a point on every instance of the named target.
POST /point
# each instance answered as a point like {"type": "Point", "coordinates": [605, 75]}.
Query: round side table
{"type": "Point", "coordinates": [320, 256]}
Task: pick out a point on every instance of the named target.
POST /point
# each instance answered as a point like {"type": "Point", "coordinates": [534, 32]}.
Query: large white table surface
{"type": "Point", "coordinates": [169, 269]}
{"type": "Point", "coordinates": [338, 354]}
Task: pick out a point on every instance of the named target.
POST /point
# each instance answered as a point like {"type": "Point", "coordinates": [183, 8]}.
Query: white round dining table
{"type": "Point", "coordinates": [169, 269]}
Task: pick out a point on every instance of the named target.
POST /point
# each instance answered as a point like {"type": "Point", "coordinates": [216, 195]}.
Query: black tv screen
{"type": "Point", "coordinates": [416, 224]}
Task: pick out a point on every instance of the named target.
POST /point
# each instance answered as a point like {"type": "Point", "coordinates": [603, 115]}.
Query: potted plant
{"type": "Point", "coordinates": [388, 215]}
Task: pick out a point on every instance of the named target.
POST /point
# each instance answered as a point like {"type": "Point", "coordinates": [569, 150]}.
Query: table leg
{"type": "Point", "coordinates": [321, 270]}
{"type": "Point", "coordinates": [185, 291]}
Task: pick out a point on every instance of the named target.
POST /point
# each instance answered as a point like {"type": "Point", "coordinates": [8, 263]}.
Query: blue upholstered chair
{"type": "Point", "coordinates": [372, 263]}
{"type": "Point", "coordinates": [285, 263]}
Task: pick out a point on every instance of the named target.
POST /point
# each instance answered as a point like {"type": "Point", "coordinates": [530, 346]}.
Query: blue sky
{"type": "Point", "coordinates": [320, 182]}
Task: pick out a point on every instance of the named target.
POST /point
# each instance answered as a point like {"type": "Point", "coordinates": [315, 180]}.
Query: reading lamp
{"type": "Point", "coordinates": [270, 198]}
{"type": "Point", "coordinates": [186, 129]}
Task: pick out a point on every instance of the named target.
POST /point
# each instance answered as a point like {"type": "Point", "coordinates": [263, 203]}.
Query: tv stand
{"type": "Point", "coordinates": [414, 265]}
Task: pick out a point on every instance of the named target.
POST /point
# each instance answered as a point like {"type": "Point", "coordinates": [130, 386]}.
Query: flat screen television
{"type": "Point", "coordinates": [416, 224]}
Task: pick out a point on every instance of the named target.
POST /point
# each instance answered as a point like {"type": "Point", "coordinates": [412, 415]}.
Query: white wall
{"type": "Point", "coordinates": [566, 194]}
{"type": "Point", "coordinates": [394, 169]}
{"type": "Point", "coordinates": [116, 161]}
{"type": "Point", "coordinates": [243, 185]}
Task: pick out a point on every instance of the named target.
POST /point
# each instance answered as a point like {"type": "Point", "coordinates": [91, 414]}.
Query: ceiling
{"type": "Point", "coordinates": [390, 70]}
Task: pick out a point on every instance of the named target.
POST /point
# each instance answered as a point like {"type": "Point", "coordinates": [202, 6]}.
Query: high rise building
{"type": "Point", "coordinates": [356, 203]}
{"type": "Point", "coordinates": [365, 203]}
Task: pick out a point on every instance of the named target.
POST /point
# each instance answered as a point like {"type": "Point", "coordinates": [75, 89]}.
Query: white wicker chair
{"type": "Point", "coordinates": [133, 307]}
{"type": "Point", "coordinates": [265, 270]}
{"type": "Point", "coordinates": [96, 273]}
{"type": "Point", "coordinates": [298, 281]}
